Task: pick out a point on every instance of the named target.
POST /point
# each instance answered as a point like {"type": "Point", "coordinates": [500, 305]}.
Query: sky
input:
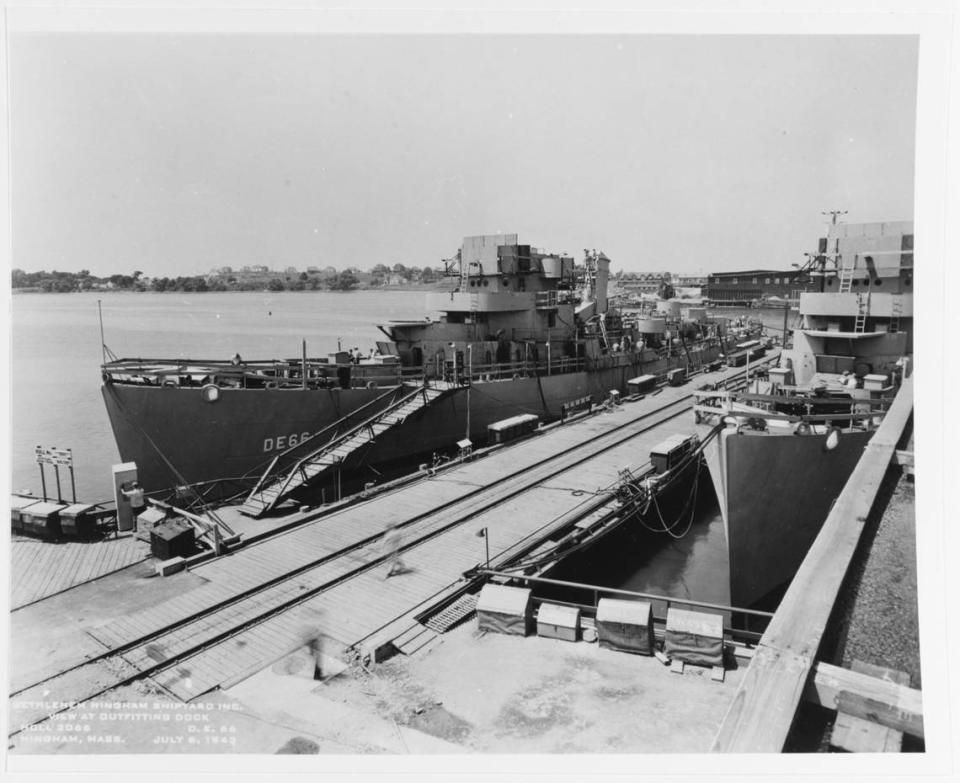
{"type": "Point", "coordinates": [173, 154]}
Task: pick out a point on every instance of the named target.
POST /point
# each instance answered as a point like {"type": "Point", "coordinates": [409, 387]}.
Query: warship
{"type": "Point", "coordinates": [784, 447]}
{"type": "Point", "coordinates": [521, 332]}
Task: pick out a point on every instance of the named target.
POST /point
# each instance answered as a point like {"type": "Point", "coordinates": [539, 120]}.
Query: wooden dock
{"type": "Point", "coordinates": [326, 577]}
{"type": "Point", "coordinates": [40, 569]}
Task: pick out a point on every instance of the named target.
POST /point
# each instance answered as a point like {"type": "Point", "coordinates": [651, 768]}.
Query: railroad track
{"type": "Point", "coordinates": [170, 646]}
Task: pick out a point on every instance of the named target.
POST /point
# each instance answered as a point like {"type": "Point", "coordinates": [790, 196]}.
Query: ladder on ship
{"type": "Point", "coordinates": [846, 279]}
{"type": "Point", "coordinates": [273, 488]}
{"type": "Point", "coordinates": [603, 331]}
{"type": "Point", "coordinates": [863, 307]}
{"type": "Point", "coordinates": [896, 311]}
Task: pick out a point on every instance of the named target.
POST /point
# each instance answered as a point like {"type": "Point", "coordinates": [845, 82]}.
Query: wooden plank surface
{"type": "Point", "coordinates": [766, 701]}
{"type": "Point", "coordinates": [43, 568]}
{"type": "Point", "coordinates": [862, 735]}
{"type": "Point", "coordinates": [884, 701]}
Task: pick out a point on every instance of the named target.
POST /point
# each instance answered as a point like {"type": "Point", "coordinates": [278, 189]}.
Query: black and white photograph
{"type": "Point", "coordinates": [492, 392]}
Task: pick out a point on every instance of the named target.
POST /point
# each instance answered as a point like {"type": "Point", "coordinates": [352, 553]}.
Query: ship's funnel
{"type": "Point", "coordinates": [603, 273]}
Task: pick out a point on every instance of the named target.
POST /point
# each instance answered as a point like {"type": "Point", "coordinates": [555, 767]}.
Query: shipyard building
{"type": "Point", "coordinates": [756, 285]}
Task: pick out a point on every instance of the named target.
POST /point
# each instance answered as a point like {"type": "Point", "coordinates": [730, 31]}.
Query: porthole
{"type": "Point", "coordinates": [878, 281]}
{"type": "Point", "coordinates": [907, 280]}
{"type": "Point", "coordinates": [485, 282]}
{"type": "Point", "coordinates": [866, 281]}
{"type": "Point", "coordinates": [210, 392]}
{"type": "Point", "coordinates": [830, 281]}
{"type": "Point", "coordinates": [855, 283]}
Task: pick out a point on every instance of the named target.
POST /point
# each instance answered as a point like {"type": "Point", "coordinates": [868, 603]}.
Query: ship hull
{"type": "Point", "coordinates": [176, 437]}
{"type": "Point", "coordinates": [775, 492]}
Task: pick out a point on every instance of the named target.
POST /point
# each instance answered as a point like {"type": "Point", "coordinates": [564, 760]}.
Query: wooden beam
{"type": "Point", "coordinates": [763, 708]}
{"type": "Point", "coordinates": [865, 696]}
{"type": "Point", "coordinates": [902, 457]}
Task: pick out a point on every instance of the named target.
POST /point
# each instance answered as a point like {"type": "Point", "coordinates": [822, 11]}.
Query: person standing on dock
{"type": "Point", "coordinates": [392, 542]}
{"type": "Point", "coordinates": [134, 494]}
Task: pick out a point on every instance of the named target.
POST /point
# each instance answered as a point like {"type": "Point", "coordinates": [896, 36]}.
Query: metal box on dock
{"type": "Point", "coordinates": [555, 621]}
{"type": "Point", "coordinates": [512, 428]}
{"type": "Point", "coordinates": [694, 637]}
{"type": "Point", "coordinates": [677, 377]}
{"type": "Point", "coordinates": [147, 522]}
{"type": "Point", "coordinates": [173, 538]}
{"type": "Point", "coordinates": [19, 504]}
{"type": "Point", "coordinates": [625, 625]}
{"type": "Point", "coordinates": [669, 453]}
{"type": "Point", "coordinates": [641, 384]}
{"type": "Point", "coordinates": [505, 609]}
{"type": "Point", "coordinates": [78, 521]}
{"type": "Point", "coordinates": [738, 359]}
{"type": "Point", "coordinates": [42, 519]}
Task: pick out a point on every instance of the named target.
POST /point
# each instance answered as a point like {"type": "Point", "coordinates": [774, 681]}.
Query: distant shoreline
{"type": "Point", "coordinates": [384, 288]}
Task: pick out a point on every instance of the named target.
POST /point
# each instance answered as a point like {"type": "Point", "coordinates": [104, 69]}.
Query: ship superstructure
{"type": "Point", "coordinates": [799, 432]}
{"type": "Point", "coordinates": [521, 331]}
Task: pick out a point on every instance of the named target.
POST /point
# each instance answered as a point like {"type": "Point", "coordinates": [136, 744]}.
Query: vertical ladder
{"type": "Point", "coordinates": [896, 310]}
{"type": "Point", "coordinates": [846, 279]}
{"type": "Point", "coordinates": [861, 320]}
{"type": "Point", "coordinates": [603, 333]}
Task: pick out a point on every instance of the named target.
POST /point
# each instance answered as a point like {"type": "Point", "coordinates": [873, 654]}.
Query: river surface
{"type": "Point", "coordinates": [55, 396]}
{"type": "Point", "coordinates": [56, 355]}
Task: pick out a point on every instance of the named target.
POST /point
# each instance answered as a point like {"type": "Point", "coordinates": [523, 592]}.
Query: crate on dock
{"type": "Point", "coordinates": [694, 637]}
{"type": "Point", "coordinates": [641, 384]}
{"type": "Point", "coordinates": [42, 519]}
{"type": "Point", "coordinates": [172, 538]}
{"type": "Point", "coordinates": [669, 453]}
{"type": "Point", "coordinates": [738, 359]}
{"type": "Point", "coordinates": [677, 377]}
{"type": "Point", "coordinates": [18, 504]}
{"type": "Point", "coordinates": [78, 521]}
{"type": "Point", "coordinates": [505, 609]}
{"type": "Point", "coordinates": [147, 521]}
{"type": "Point", "coordinates": [625, 625]}
{"type": "Point", "coordinates": [555, 621]}
{"type": "Point", "coordinates": [512, 428]}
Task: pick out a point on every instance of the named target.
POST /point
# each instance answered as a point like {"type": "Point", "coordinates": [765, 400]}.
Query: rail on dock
{"type": "Point", "coordinates": [784, 668]}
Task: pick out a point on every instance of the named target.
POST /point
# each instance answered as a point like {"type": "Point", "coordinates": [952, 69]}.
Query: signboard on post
{"type": "Point", "coordinates": [54, 456]}
{"type": "Point", "coordinates": [51, 455]}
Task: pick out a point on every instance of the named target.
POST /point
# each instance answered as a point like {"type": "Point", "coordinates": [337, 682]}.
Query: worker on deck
{"type": "Point", "coordinates": [392, 541]}
{"type": "Point", "coordinates": [134, 495]}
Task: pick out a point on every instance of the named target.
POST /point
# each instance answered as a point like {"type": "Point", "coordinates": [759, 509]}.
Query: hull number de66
{"type": "Point", "coordinates": [284, 441]}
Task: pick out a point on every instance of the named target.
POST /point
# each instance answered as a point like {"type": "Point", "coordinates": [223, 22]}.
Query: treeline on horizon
{"type": "Point", "coordinates": [345, 280]}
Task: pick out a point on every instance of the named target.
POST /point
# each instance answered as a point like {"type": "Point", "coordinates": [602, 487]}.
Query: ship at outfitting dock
{"type": "Point", "coordinates": [522, 331]}
{"type": "Point", "coordinates": [791, 440]}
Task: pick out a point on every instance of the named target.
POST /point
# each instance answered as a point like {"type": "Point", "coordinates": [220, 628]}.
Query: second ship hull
{"type": "Point", "coordinates": [775, 492]}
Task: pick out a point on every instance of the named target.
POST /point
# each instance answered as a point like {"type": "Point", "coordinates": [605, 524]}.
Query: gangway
{"type": "Point", "coordinates": [274, 488]}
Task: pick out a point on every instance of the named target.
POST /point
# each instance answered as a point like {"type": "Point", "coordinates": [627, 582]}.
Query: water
{"type": "Point", "coordinates": [56, 354]}
{"type": "Point", "coordinates": [635, 558]}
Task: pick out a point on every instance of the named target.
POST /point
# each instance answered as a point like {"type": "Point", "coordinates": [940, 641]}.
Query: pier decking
{"type": "Point", "coordinates": [326, 576]}
{"type": "Point", "coordinates": [39, 569]}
